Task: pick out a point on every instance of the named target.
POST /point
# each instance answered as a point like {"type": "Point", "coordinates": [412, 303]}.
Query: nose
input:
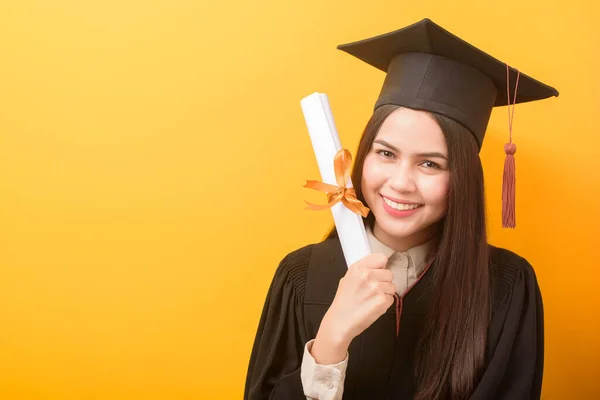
{"type": "Point", "coordinates": [402, 179]}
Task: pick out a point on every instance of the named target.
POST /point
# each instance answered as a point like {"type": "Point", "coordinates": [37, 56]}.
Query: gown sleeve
{"type": "Point", "coordinates": [276, 357]}
{"type": "Point", "coordinates": [516, 336]}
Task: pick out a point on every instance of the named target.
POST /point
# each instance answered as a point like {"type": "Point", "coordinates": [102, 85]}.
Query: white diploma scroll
{"type": "Point", "coordinates": [326, 143]}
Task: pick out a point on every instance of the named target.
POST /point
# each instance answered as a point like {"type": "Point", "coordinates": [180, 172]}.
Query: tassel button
{"type": "Point", "coordinates": [510, 149]}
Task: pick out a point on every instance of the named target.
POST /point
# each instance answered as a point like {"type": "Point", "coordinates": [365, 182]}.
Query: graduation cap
{"type": "Point", "coordinates": [428, 68]}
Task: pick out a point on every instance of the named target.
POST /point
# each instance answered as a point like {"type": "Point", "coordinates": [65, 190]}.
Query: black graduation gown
{"type": "Point", "coordinates": [380, 365]}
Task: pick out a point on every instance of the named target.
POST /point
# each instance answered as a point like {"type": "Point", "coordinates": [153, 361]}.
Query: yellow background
{"type": "Point", "coordinates": [152, 157]}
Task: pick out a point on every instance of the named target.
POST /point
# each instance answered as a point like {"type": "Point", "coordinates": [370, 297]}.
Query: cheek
{"type": "Point", "coordinates": [372, 176]}
{"type": "Point", "coordinates": [435, 189]}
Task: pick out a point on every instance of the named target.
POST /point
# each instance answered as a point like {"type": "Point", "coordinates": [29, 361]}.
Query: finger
{"type": "Point", "coordinates": [386, 301]}
{"type": "Point", "coordinates": [387, 288]}
{"type": "Point", "coordinates": [369, 275]}
{"type": "Point", "coordinates": [381, 275]}
{"type": "Point", "coordinates": [371, 261]}
{"type": "Point", "coordinates": [375, 261]}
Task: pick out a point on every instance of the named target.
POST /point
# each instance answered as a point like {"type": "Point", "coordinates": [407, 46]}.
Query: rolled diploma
{"type": "Point", "coordinates": [326, 143]}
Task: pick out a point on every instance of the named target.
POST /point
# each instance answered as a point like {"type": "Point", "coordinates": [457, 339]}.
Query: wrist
{"type": "Point", "coordinates": [330, 347]}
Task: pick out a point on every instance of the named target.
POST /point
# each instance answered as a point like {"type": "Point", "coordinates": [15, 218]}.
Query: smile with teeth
{"type": "Point", "coordinates": [400, 206]}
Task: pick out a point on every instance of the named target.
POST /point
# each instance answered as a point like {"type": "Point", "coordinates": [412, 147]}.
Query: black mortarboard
{"type": "Point", "coordinates": [431, 69]}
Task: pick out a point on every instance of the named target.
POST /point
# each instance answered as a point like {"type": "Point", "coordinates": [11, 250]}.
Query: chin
{"type": "Point", "coordinates": [397, 230]}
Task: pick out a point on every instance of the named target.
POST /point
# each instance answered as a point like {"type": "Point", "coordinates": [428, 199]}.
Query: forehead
{"type": "Point", "coordinates": [412, 131]}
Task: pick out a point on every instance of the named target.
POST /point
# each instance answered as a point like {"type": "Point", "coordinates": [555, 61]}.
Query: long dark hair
{"type": "Point", "coordinates": [451, 353]}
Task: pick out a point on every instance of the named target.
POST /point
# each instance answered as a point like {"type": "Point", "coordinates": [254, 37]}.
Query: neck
{"type": "Point", "coordinates": [402, 244]}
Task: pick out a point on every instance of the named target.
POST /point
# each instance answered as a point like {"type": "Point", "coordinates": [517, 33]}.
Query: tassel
{"type": "Point", "coordinates": [509, 178]}
{"type": "Point", "coordinates": [509, 187]}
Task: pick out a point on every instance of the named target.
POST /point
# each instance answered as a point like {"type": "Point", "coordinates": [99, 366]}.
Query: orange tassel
{"type": "Point", "coordinates": [509, 187]}
{"type": "Point", "coordinates": [509, 178]}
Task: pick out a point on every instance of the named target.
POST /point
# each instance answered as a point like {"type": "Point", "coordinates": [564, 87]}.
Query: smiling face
{"type": "Point", "coordinates": [406, 178]}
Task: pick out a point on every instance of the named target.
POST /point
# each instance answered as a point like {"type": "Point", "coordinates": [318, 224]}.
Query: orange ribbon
{"type": "Point", "coordinates": [335, 194]}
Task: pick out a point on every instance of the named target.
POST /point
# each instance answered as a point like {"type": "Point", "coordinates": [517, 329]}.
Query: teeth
{"type": "Point", "coordinates": [399, 206]}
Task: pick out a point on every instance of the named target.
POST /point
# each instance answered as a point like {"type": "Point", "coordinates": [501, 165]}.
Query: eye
{"type": "Point", "coordinates": [385, 154]}
{"type": "Point", "coordinates": [430, 164]}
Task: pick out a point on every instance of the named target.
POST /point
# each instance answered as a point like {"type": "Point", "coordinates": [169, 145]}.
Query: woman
{"type": "Point", "coordinates": [435, 312]}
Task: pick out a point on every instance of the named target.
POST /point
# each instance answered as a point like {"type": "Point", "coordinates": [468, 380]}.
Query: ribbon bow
{"type": "Point", "coordinates": [335, 194]}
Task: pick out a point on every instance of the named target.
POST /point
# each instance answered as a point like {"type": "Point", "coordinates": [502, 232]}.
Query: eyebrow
{"type": "Point", "coordinates": [433, 154]}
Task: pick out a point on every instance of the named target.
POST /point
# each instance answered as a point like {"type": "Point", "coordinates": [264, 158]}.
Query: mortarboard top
{"type": "Point", "coordinates": [428, 68]}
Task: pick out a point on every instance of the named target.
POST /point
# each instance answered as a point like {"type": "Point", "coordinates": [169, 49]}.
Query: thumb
{"type": "Point", "coordinates": [376, 261]}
